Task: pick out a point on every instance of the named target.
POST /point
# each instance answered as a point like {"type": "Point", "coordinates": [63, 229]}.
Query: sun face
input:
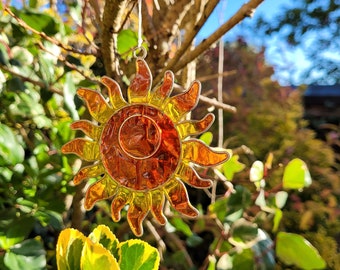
{"type": "Point", "coordinates": [141, 148]}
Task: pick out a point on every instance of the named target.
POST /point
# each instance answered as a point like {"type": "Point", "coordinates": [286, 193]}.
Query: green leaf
{"type": "Point", "coordinates": [127, 40]}
{"type": "Point", "coordinates": [69, 93]}
{"type": "Point", "coordinates": [104, 236]}
{"type": "Point", "coordinates": [277, 219]}
{"type": "Point", "coordinates": [219, 208]}
{"type": "Point", "coordinates": [181, 226]}
{"type": "Point", "coordinates": [296, 175]}
{"type": "Point", "coordinates": [232, 166]}
{"type": "Point", "coordinates": [69, 249]}
{"type": "Point", "coordinates": [11, 152]}
{"type": "Point", "coordinates": [244, 260]}
{"type": "Point", "coordinates": [243, 231]}
{"type": "Point", "coordinates": [95, 256]}
{"type": "Point", "coordinates": [138, 255]}
{"type": "Point", "coordinates": [224, 262]}
{"type": "Point", "coordinates": [38, 21]}
{"type": "Point", "coordinates": [194, 240]}
{"type": "Point", "coordinates": [207, 137]}
{"type": "Point", "coordinates": [293, 249]}
{"type": "Point", "coordinates": [29, 255]}
{"type": "Point", "coordinates": [14, 230]}
{"type": "Point", "coordinates": [280, 199]}
{"type": "Point", "coordinates": [256, 171]}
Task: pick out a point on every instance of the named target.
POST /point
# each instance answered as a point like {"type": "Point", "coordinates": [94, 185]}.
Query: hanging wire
{"type": "Point", "coordinates": [139, 49]}
{"type": "Point", "coordinates": [140, 38]}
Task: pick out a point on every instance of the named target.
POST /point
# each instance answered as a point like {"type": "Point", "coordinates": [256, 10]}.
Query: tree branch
{"type": "Point", "coordinates": [189, 37]}
{"type": "Point", "coordinates": [35, 82]}
{"type": "Point", "coordinates": [111, 23]}
{"type": "Point", "coordinates": [46, 37]}
{"type": "Point", "coordinates": [245, 11]}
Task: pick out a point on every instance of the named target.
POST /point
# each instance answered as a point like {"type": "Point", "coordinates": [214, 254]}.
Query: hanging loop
{"type": "Point", "coordinates": [139, 52]}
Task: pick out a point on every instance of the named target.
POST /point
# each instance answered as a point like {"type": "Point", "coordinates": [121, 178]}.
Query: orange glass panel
{"type": "Point", "coordinates": [178, 198]}
{"type": "Point", "coordinates": [157, 204]}
{"type": "Point", "coordinates": [88, 128]}
{"type": "Point", "coordinates": [140, 85]}
{"type": "Point", "coordinates": [122, 198]}
{"type": "Point", "coordinates": [190, 176]}
{"type": "Point", "coordinates": [192, 127]}
{"type": "Point", "coordinates": [85, 149]}
{"type": "Point", "coordinates": [101, 190]}
{"type": "Point", "coordinates": [138, 211]}
{"type": "Point", "coordinates": [96, 104]}
{"type": "Point", "coordinates": [199, 153]}
{"type": "Point", "coordinates": [115, 94]}
{"type": "Point", "coordinates": [133, 166]}
{"type": "Point", "coordinates": [88, 172]}
{"type": "Point", "coordinates": [181, 104]}
{"type": "Point", "coordinates": [159, 95]}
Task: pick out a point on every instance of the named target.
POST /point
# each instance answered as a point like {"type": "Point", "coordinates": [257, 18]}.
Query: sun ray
{"type": "Point", "coordinates": [192, 127]}
{"type": "Point", "coordinates": [88, 172]}
{"type": "Point", "coordinates": [96, 104]}
{"type": "Point", "coordinates": [102, 189]}
{"type": "Point", "coordinates": [115, 93]}
{"type": "Point", "coordinates": [122, 198]}
{"type": "Point", "coordinates": [83, 148]}
{"type": "Point", "coordinates": [159, 95]}
{"type": "Point", "coordinates": [140, 85]}
{"type": "Point", "coordinates": [88, 128]}
{"type": "Point", "coordinates": [199, 153]}
{"type": "Point", "coordinates": [157, 204]}
{"type": "Point", "coordinates": [181, 104]}
{"type": "Point", "coordinates": [188, 174]}
{"type": "Point", "coordinates": [177, 195]}
{"type": "Point", "coordinates": [137, 212]}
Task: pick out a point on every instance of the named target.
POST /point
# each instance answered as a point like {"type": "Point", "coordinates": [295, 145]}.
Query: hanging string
{"type": "Point", "coordinates": [140, 39]}
{"type": "Point", "coordinates": [140, 48]}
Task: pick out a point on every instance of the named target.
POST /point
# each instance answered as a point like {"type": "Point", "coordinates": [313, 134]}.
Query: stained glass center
{"type": "Point", "coordinates": [139, 136]}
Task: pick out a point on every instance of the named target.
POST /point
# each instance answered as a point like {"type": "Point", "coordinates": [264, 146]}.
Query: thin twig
{"type": "Point", "coordinates": [189, 37]}
{"type": "Point", "coordinates": [67, 63]}
{"type": "Point", "coordinates": [245, 11]}
{"type": "Point", "coordinates": [214, 76]}
{"type": "Point", "coordinates": [35, 82]}
{"type": "Point", "coordinates": [160, 242]}
{"type": "Point", "coordinates": [217, 104]}
{"type": "Point", "coordinates": [46, 37]}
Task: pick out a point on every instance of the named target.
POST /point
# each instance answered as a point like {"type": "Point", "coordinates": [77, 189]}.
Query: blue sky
{"type": "Point", "coordinates": [270, 9]}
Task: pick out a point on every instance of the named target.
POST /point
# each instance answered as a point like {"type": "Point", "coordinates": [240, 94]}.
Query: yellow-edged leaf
{"type": "Point", "coordinates": [95, 256]}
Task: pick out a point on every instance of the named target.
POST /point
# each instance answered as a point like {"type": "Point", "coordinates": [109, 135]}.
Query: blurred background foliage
{"type": "Point", "coordinates": [250, 220]}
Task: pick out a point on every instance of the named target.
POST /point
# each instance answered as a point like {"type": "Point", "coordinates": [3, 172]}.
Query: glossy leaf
{"type": "Point", "coordinates": [95, 256]}
{"type": "Point", "coordinates": [293, 249]}
{"type": "Point", "coordinates": [281, 199]}
{"type": "Point", "coordinates": [256, 171]}
{"type": "Point", "coordinates": [296, 175]}
{"type": "Point", "coordinates": [181, 226]}
{"type": "Point", "coordinates": [12, 231]}
{"type": "Point", "coordinates": [102, 234]}
{"type": "Point", "coordinates": [139, 255]}
{"type": "Point", "coordinates": [11, 152]}
{"type": "Point", "coordinates": [39, 21]}
{"type": "Point", "coordinates": [207, 137]}
{"type": "Point", "coordinates": [69, 249]}
{"type": "Point", "coordinates": [232, 166]}
{"type": "Point", "coordinates": [243, 231]}
{"type": "Point", "coordinates": [29, 255]}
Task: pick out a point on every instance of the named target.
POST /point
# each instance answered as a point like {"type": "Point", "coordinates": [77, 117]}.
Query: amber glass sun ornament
{"type": "Point", "coordinates": [141, 148]}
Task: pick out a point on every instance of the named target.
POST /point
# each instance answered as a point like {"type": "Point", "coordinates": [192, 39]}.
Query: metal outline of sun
{"type": "Point", "coordinates": [141, 147]}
